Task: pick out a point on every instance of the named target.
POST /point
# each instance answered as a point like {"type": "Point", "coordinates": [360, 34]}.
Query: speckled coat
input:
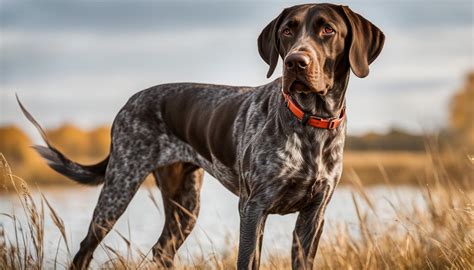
{"type": "Point", "coordinates": [245, 137]}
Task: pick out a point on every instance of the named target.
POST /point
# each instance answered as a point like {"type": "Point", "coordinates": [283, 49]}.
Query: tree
{"type": "Point", "coordinates": [462, 113]}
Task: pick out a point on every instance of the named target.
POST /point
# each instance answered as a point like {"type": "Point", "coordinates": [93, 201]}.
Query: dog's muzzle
{"type": "Point", "coordinates": [297, 61]}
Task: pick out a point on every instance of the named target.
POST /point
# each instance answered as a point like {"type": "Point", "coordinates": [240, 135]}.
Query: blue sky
{"type": "Point", "coordinates": [80, 61]}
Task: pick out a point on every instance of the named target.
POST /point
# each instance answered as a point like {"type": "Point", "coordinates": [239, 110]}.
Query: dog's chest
{"type": "Point", "coordinates": [310, 158]}
{"type": "Point", "coordinates": [305, 167]}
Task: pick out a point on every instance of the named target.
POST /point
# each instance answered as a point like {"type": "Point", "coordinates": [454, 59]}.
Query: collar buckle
{"type": "Point", "coordinates": [332, 124]}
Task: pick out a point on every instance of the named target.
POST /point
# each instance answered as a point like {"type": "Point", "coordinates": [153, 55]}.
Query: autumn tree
{"type": "Point", "coordinates": [462, 114]}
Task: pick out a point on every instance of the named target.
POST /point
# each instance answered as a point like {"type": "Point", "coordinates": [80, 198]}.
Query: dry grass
{"type": "Point", "coordinates": [437, 235]}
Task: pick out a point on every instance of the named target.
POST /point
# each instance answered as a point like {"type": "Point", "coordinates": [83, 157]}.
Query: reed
{"type": "Point", "coordinates": [438, 234]}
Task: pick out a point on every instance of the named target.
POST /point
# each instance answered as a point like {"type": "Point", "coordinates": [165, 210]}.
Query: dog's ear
{"type": "Point", "coordinates": [268, 43]}
{"type": "Point", "coordinates": [366, 44]}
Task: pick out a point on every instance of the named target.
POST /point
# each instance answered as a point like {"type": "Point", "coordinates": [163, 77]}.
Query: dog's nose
{"type": "Point", "coordinates": [296, 61]}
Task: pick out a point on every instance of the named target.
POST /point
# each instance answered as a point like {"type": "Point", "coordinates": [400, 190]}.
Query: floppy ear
{"type": "Point", "coordinates": [366, 44]}
{"type": "Point", "coordinates": [268, 43]}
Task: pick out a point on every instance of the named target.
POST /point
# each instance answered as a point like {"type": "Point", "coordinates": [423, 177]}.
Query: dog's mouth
{"type": "Point", "coordinates": [298, 86]}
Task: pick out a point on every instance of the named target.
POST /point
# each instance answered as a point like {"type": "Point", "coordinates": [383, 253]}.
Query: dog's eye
{"type": "Point", "coordinates": [328, 30]}
{"type": "Point", "coordinates": [286, 32]}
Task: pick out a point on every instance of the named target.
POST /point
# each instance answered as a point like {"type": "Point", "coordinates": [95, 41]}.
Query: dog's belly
{"type": "Point", "coordinates": [183, 152]}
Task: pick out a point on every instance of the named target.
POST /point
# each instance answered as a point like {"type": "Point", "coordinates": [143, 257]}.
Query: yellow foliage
{"type": "Point", "coordinates": [462, 112]}
{"type": "Point", "coordinates": [12, 142]}
{"type": "Point", "coordinates": [70, 139]}
{"type": "Point", "coordinates": [99, 142]}
{"type": "Point", "coordinates": [82, 146]}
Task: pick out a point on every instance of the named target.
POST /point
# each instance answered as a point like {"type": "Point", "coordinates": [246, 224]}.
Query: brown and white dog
{"type": "Point", "coordinates": [277, 146]}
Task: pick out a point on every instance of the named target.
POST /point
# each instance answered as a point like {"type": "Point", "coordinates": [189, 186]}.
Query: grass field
{"type": "Point", "coordinates": [440, 236]}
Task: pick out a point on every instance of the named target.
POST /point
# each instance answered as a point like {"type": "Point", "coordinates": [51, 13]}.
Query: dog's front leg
{"type": "Point", "coordinates": [308, 230]}
{"type": "Point", "coordinates": [252, 223]}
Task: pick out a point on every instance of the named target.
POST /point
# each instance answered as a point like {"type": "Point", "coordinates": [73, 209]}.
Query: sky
{"type": "Point", "coordinates": [79, 61]}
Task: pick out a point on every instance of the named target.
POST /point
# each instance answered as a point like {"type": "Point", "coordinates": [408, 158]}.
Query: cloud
{"type": "Point", "coordinates": [155, 16]}
{"type": "Point", "coordinates": [125, 16]}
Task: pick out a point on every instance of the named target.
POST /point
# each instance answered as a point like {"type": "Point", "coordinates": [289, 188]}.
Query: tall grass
{"type": "Point", "coordinates": [437, 234]}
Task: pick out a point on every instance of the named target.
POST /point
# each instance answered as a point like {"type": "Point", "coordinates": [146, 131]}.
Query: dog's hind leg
{"type": "Point", "coordinates": [180, 186]}
{"type": "Point", "coordinates": [133, 156]}
{"type": "Point", "coordinates": [121, 184]}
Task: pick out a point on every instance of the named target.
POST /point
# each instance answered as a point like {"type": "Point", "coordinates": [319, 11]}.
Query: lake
{"type": "Point", "coordinates": [217, 226]}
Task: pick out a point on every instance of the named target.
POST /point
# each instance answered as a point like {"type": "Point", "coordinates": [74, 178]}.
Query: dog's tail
{"type": "Point", "coordinates": [84, 174]}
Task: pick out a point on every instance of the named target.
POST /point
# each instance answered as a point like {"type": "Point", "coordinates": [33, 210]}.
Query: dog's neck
{"type": "Point", "coordinates": [328, 106]}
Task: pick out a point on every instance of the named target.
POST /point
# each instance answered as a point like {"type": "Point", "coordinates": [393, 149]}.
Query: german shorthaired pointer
{"type": "Point", "coordinates": [277, 146]}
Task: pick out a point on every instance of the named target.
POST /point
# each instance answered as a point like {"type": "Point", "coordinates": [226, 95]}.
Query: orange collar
{"type": "Point", "coordinates": [311, 120]}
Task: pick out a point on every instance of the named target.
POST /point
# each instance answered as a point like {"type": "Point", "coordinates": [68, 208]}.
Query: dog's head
{"type": "Point", "coordinates": [316, 41]}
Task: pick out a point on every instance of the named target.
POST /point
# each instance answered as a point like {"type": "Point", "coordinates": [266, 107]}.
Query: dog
{"type": "Point", "coordinates": [278, 147]}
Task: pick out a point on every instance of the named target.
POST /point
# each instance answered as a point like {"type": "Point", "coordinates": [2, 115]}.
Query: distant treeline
{"type": "Point", "coordinates": [394, 140]}
{"type": "Point", "coordinates": [91, 146]}
{"type": "Point", "coordinates": [83, 144]}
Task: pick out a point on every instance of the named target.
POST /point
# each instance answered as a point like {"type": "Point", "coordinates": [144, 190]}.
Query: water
{"type": "Point", "coordinates": [217, 226]}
